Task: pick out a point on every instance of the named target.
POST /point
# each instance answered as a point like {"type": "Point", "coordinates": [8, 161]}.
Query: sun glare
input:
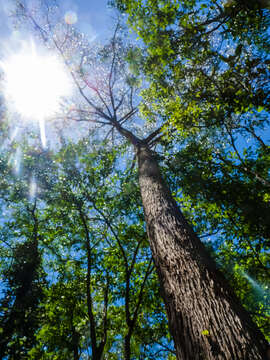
{"type": "Point", "coordinates": [35, 83]}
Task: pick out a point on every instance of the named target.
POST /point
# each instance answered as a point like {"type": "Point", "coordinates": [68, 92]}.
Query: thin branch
{"type": "Point", "coordinates": [88, 282]}
{"type": "Point", "coordinates": [112, 67]}
{"type": "Point", "coordinates": [149, 270]}
{"type": "Point", "coordinates": [258, 138]}
{"type": "Point", "coordinates": [250, 244]}
{"type": "Point", "coordinates": [113, 232]}
{"type": "Point", "coordinates": [247, 170]}
{"type": "Point", "coordinates": [166, 348]}
{"type": "Point", "coordinates": [95, 89]}
{"type": "Point", "coordinates": [128, 116]}
{"type": "Point", "coordinates": [105, 317]}
{"type": "Point", "coordinates": [209, 234]}
{"type": "Point", "coordinates": [153, 135]}
{"type": "Point", "coordinates": [120, 102]}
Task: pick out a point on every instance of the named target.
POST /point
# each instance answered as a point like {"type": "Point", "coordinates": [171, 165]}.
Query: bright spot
{"type": "Point", "coordinates": [32, 189]}
{"type": "Point", "coordinates": [35, 82]}
{"type": "Point", "coordinates": [71, 17]}
{"type": "Point", "coordinates": [42, 132]}
{"type": "Point", "coordinates": [15, 161]}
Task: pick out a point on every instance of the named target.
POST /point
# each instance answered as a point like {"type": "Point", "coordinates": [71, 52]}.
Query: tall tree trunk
{"type": "Point", "coordinates": [205, 318]}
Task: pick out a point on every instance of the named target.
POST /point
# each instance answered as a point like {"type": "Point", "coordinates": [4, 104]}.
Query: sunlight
{"type": "Point", "coordinates": [32, 189]}
{"type": "Point", "coordinates": [262, 290]}
{"type": "Point", "coordinates": [15, 161]}
{"type": "Point", "coordinates": [35, 83]}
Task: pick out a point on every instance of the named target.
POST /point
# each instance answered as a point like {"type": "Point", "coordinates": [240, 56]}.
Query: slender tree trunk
{"type": "Point", "coordinates": [97, 349]}
{"type": "Point", "coordinates": [75, 343]}
{"type": "Point", "coordinates": [127, 352]}
{"type": "Point", "coordinates": [205, 318]}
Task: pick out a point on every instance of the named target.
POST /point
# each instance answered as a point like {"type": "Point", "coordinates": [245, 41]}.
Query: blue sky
{"type": "Point", "coordinates": [94, 17]}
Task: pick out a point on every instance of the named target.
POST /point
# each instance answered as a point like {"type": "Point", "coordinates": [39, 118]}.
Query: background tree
{"type": "Point", "coordinates": [23, 280]}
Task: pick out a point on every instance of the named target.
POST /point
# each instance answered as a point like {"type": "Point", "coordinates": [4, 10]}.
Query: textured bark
{"type": "Point", "coordinates": [205, 318]}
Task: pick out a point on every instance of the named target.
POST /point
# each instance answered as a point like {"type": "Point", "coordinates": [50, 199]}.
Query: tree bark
{"type": "Point", "coordinates": [205, 318]}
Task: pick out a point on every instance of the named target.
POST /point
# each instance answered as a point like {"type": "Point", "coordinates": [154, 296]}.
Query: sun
{"type": "Point", "coordinates": [35, 82]}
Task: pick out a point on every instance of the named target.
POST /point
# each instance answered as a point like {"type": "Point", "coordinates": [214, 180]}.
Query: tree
{"type": "Point", "coordinates": [19, 313]}
{"type": "Point", "coordinates": [205, 318]}
{"type": "Point", "coordinates": [23, 278]}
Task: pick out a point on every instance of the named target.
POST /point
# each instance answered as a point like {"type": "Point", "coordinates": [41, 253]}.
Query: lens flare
{"type": "Point", "coordinates": [71, 17]}
{"type": "Point", "coordinates": [32, 189]}
{"type": "Point", "coordinates": [15, 161]}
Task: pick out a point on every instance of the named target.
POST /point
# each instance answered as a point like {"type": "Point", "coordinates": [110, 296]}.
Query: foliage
{"type": "Point", "coordinates": [101, 292]}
